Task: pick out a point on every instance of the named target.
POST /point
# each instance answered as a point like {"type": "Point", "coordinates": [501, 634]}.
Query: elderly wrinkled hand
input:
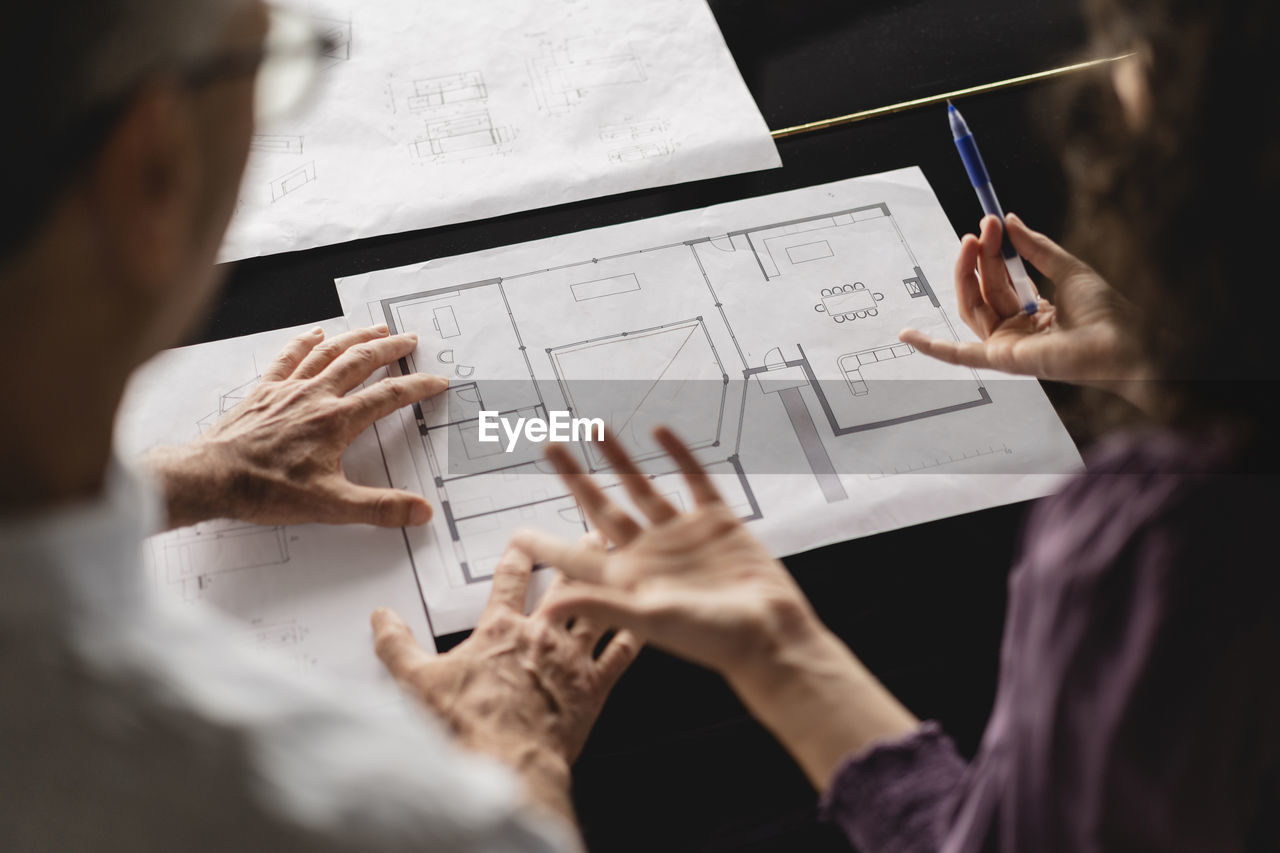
{"type": "Point", "coordinates": [276, 458]}
{"type": "Point", "coordinates": [523, 689]}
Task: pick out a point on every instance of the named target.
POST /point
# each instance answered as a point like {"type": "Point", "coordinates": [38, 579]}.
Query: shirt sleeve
{"type": "Point", "coordinates": [896, 796]}
{"type": "Point", "coordinates": [291, 762]}
{"type": "Point", "coordinates": [140, 723]}
{"type": "Point", "coordinates": [1135, 710]}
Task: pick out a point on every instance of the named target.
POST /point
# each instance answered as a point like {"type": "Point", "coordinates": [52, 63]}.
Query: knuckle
{"type": "Point", "coordinates": [616, 516]}
{"type": "Point", "coordinates": [386, 508]}
{"type": "Point", "coordinates": [418, 674]}
{"type": "Point", "coordinates": [542, 639]}
{"type": "Point", "coordinates": [511, 562]}
{"type": "Point", "coordinates": [329, 349]}
{"type": "Point", "coordinates": [394, 390]}
{"type": "Point", "coordinates": [500, 625]}
{"type": "Point", "coordinates": [364, 354]}
{"type": "Point", "coordinates": [389, 640]}
{"type": "Point", "coordinates": [485, 707]}
{"type": "Point", "coordinates": [627, 645]}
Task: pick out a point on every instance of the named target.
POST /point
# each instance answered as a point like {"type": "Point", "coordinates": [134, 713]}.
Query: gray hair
{"type": "Point", "coordinates": [71, 62]}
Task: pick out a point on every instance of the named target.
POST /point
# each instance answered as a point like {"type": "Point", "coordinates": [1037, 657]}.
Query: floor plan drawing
{"type": "Point", "coordinates": [700, 366]}
{"type": "Point", "coordinates": [771, 347]}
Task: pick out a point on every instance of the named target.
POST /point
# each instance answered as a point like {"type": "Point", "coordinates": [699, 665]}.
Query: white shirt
{"type": "Point", "coordinates": [125, 725]}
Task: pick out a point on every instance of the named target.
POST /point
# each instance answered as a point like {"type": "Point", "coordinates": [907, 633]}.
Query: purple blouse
{"type": "Point", "coordinates": [1139, 698]}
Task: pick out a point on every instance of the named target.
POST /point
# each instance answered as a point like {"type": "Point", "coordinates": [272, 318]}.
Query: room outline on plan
{"type": "Point", "coordinates": [684, 333]}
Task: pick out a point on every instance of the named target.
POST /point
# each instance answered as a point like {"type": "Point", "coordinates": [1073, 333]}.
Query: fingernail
{"type": "Point", "coordinates": [420, 514]}
{"type": "Point", "coordinates": [1013, 216]}
{"type": "Point", "coordinates": [413, 337]}
{"type": "Point", "coordinates": [316, 331]}
{"type": "Point", "coordinates": [381, 329]}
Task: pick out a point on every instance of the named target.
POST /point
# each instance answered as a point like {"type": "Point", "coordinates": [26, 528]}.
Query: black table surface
{"type": "Point", "coordinates": [675, 763]}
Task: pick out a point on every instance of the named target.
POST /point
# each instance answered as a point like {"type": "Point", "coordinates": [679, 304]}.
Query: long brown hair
{"type": "Point", "coordinates": [1181, 212]}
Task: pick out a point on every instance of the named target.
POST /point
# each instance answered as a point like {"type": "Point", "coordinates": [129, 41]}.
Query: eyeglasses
{"type": "Point", "coordinates": [287, 67]}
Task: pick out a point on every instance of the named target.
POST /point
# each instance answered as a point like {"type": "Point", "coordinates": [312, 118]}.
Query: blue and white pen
{"type": "Point", "coordinates": [981, 181]}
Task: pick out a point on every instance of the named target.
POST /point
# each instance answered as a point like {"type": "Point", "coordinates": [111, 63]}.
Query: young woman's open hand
{"type": "Point", "coordinates": [699, 585]}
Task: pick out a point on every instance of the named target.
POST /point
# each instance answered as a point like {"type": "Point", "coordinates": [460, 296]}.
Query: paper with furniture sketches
{"type": "Point", "coordinates": [764, 330]}
{"type": "Point", "coordinates": [304, 591]}
{"type": "Point", "coordinates": [434, 113]}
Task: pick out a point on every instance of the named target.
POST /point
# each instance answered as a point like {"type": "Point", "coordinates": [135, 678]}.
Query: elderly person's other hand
{"type": "Point", "coordinates": [523, 689]}
{"type": "Point", "coordinates": [276, 458]}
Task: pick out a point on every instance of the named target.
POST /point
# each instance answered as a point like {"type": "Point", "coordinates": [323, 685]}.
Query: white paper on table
{"type": "Point", "coordinates": [304, 591]}
{"type": "Point", "coordinates": [436, 113]}
{"type": "Point", "coordinates": [827, 428]}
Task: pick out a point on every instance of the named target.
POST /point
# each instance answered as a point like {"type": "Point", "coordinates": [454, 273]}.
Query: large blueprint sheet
{"type": "Point", "coordinates": [764, 331]}
{"type": "Point", "coordinates": [434, 113]}
{"type": "Point", "coordinates": [305, 591]}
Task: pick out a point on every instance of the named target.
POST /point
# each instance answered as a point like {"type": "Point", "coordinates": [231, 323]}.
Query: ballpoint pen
{"type": "Point", "coordinates": [981, 181]}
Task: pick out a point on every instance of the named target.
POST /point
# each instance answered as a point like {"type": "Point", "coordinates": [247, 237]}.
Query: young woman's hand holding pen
{"type": "Point", "coordinates": [1084, 337]}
